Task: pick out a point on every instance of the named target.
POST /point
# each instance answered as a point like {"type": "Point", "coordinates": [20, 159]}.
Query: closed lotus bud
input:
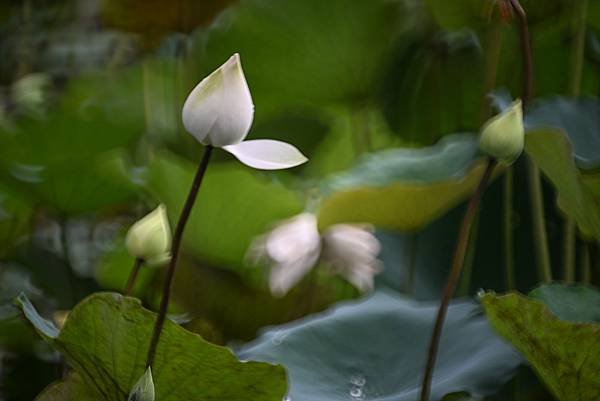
{"type": "Point", "coordinates": [149, 239]}
{"type": "Point", "coordinates": [219, 110]}
{"type": "Point", "coordinates": [503, 136]}
{"type": "Point", "coordinates": [143, 389]}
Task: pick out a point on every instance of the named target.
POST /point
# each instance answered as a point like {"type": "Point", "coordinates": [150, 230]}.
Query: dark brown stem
{"type": "Point", "coordinates": [454, 276]}
{"type": "Point", "coordinates": [137, 265]}
{"type": "Point", "coordinates": [177, 236]}
{"type": "Point", "coordinates": [526, 53]}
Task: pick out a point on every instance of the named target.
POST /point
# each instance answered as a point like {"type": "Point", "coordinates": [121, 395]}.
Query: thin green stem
{"type": "Point", "coordinates": [539, 226]}
{"type": "Point", "coordinates": [576, 67]}
{"type": "Point", "coordinates": [569, 250]}
{"type": "Point", "coordinates": [137, 264]}
{"type": "Point", "coordinates": [509, 262]}
{"type": "Point", "coordinates": [177, 237]}
{"type": "Point", "coordinates": [535, 184]}
{"type": "Point", "coordinates": [454, 276]}
{"type": "Point", "coordinates": [586, 262]}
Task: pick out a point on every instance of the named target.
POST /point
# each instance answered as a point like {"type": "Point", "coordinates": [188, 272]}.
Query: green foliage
{"type": "Point", "coordinates": [233, 207]}
{"type": "Point", "coordinates": [375, 348]}
{"type": "Point", "coordinates": [404, 189]}
{"type": "Point", "coordinates": [566, 355]}
{"type": "Point", "coordinates": [551, 151]}
{"type": "Point", "coordinates": [105, 339]}
{"type": "Point", "coordinates": [578, 119]}
{"type": "Point", "coordinates": [359, 87]}
{"type": "Point", "coordinates": [303, 45]}
{"type": "Point", "coordinates": [65, 160]}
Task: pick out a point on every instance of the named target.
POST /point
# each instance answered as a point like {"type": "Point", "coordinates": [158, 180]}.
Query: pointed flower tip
{"type": "Point", "coordinates": [143, 390]}
{"type": "Point", "coordinates": [503, 136]}
{"type": "Point", "coordinates": [219, 110]}
{"type": "Point", "coordinates": [149, 238]}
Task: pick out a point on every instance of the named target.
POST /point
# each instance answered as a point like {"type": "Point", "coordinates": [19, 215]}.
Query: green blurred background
{"type": "Point", "coordinates": [91, 139]}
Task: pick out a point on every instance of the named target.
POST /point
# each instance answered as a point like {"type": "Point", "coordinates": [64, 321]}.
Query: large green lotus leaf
{"type": "Point", "coordinates": [310, 51]}
{"type": "Point", "coordinates": [60, 159]}
{"type": "Point", "coordinates": [565, 355]}
{"type": "Point", "coordinates": [375, 349]}
{"type": "Point", "coordinates": [404, 189]}
{"type": "Point", "coordinates": [233, 206]}
{"type": "Point", "coordinates": [592, 182]}
{"type": "Point", "coordinates": [579, 119]}
{"type": "Point", "coordinates": [551, 151]}
{"type": "Point", "coordinates": [575, 303]}
{"type": "Point", "coordinates": [105, 339]}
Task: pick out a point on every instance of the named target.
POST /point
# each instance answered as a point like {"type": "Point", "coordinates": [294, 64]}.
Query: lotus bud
{"type": "Point", "coordinates": [143, 389]}
{"type": "Point", "coordinates": [219, 110]}
{"type": "Point", "coordinates": [503, 136]}
{"type": "Point", "coordinates": [149, 239]}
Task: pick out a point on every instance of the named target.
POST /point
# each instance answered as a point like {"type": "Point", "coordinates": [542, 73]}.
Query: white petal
{"type": "Point", "coordinates": [219, 110]}
{"type": "Point", "coordinates": [284, 276]}
{"type": "Point", "coordinates": [267, 154]}
{"type": "Point", "coordinates": [351, 242]}
{"type": "Point", "coordinates": [294, 238]}
{"type": "Point", "coordinates": [361, 277]}
{"type": "Point", "coordinates": [351, 250]}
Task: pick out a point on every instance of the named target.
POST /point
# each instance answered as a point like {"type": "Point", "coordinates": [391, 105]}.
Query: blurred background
{"type": "Point", "coordinates": [91, 139]}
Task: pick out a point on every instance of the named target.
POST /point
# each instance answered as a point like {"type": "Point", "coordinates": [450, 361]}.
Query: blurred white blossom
{"type": "Point", "coordinates": [351, 251]}
{"type": "Point", "coordinates": [291, 250]}
{"type": "Point", "coordinates": [295, 246]}
{"type": "Point", "coordinates": [219, 112]}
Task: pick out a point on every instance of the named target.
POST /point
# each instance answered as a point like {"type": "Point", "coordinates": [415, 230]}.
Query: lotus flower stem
{"type": "Point", "coordinates": [509, 262]}
{"type": "Point", "coordinates": [579, 25]}
{"type": "Point", "coordinates": [526, 53]}
{"type": "Point", "coordinates": [177, 236]}
{"type": "Point", "coordinates": [535, 184]}
{"type": "Point", "coordinates": [137, 265]}
{"type": "Point", "coordinates": [454, 275]}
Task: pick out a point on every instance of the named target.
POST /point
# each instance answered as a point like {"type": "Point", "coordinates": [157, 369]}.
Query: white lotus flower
{"type": "Point", "coordinates": [219, 112]}
{"type": "Point", "coordinates": [351, 251]}
{"type": "Point", "coordinates": [149, 238]}
{"type": "Point", "coordinates": [143, 390]}
{"type": "Point", "coordinates": [291, 249]}
{"type": "Point", "coordinates": [295, 246]}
